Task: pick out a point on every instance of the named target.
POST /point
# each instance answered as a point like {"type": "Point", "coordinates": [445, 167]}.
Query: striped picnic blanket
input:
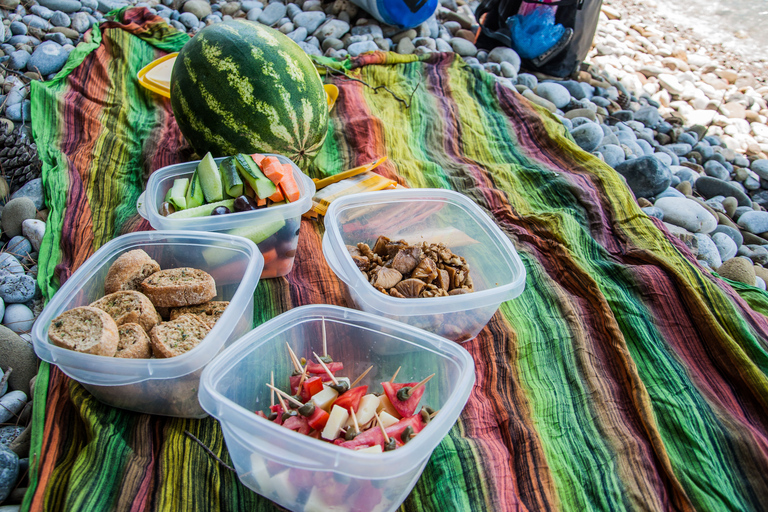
{"type": "Point", "coordinates": [625, 377]}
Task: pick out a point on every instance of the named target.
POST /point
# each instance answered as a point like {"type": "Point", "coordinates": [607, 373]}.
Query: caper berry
{"type": "Point", "coordinates": [351, 434]}
{"type": "Point", "coordinates": [288, 414]}
{"type": "Point", "coordinates": [406, 435]}
{"type": "Point", "coordinates": [308, 409]}
{"type": "Point", "coordinates": [403, 394]}
{"type": "Point", "coordinates": [391, 445]}
{"type": "Point", "coordinates": [291, 403]}
{"type": "Point", "coordinates": [425, 415]}
{"type": "Point", "coordinates": [326, 359]}
{"type": "Point", "coordinates": [342, 387]}
{"type": "Point", "coordinates": [272, 416]}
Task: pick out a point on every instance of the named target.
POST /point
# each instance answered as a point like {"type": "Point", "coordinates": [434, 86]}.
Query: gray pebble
{"type": "Point", "coordinates": [272, 13]}
{"type": "Point", "coordinates": [59, 19]}
{"type": "Point", "coordinates": [708, 187]}
{"type": "Point", "coordinates": [9, 472]}
{"type": "Point", "coordinates": [587, 136]}
{"type": "Point", "coordinates": [652, 211]}
{"type": "Point", "coordinates": [48, 58]}
{"type": "Point", "coordinates": [555, 93]}
{"type": "Point", "coordinates": [19, 247]}
{"type": "Point", "coordinates": [527, 80]}
{"type": "Point", "coordinates": [41, 11]}
{"type": "Point", "coordinates": [356, 49]}
{"type": "Point", "coordinates": [18, 28]}
{"type": "Point", "coordinates": [16, 289]}
{"type": "Point", "coordinates": [613, 154]}
{"type": "Point", "coordinates": [332, 28]}
{"type": "Point", "coordinates": [297, 35]}
{"type": "Point", "coordinates": [254, 14]}
{"type": "Point", "coordinates": [725, 246]}
{"type": "Point", "coordinates": [754, 222]}
{"type": "Point", "coordinates": [80, 22]}
{"type": "Point", "coordinates": [646, 175]}
{"type": "Point", "coordinates": [11, 404]}
{"type": "Point", "coordinates": [716, 170]}
{"type": "Point", "coordinates": [665, 159]}
{"type": "Point", "coordinates": [310, 20]}
{"type": "Point", "coordinates": [463, 47]}
{"type": "Point", "coordinates": [760, 167]}
{"type": "Point", "coordinates": [18, 60]}
{"type": "Point", "coordinates": [311, 49]}
{"type": "Point", "coordinates": [708, 250]}
{"type": "Point", "coordinates": [189, 20]}
{"type": "Point", "coordinates": [9, 433]}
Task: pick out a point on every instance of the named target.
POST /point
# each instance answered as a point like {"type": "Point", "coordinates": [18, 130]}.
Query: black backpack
{"type": "Point", "coordinates": [563, 60]}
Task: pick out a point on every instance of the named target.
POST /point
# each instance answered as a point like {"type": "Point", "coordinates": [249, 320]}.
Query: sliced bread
{"type": "Point", "coordinates": [178, 336]}
{"type": "Point", "coordinates": [134, 342]}
{"type": "Point", "coordinates": [129, 307]}
{"type": "Point", "coordinates": [209, 312]}
{"type": "Point", "coordinates": [128, 270]}
{"type": "Point", "coordinates": [85, 329]}
{"type": "Point", "coordinates": [177, 287]}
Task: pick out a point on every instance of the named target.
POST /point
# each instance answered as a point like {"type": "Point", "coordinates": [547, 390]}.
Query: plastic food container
{"type": "Point", "coordinates": [157, 386]}
{"type": "Point", "coordinates": [274, 229]}
{"type": "Point", "coordinates": [430, 215]}
{"type": "Point", "coordinates": [305, 474]}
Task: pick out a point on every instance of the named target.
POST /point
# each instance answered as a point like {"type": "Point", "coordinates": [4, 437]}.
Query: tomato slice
{"type": "Point", "coordinates": [405, 408]}
{"type": "Point", "coordinates": [278, 409]}
{"type": "Point", "coordinates": [318, 419]}
{"type": "Point", "coordinates": [295, 379]}
{"type": "Point", "coordinates": [351, 398]}
{"type": "Point", "coordinates": [374, 436]}
{"type": "Point", "coordinates": [365, 499]}
{"type": "Point", "coordinates": [310, 388]}
{"type": "Point", "coordinates": [317, 368]}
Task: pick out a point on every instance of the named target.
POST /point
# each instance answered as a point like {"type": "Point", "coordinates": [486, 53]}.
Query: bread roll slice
{"type": "Point", "coordinates": [128, 270]}
{"type": "Point", "coordinates": [209, 312]}
{"type": "Point", "coordinates": [176, 337]}
{"type": "Point", "coordinates": [134, 342]}
{"type": "Point", "coordinates": [85, 329]}
{"type": "Point", "coordinates": [129, 307]}
{"type": "Point", "coordinates": [177, 287]}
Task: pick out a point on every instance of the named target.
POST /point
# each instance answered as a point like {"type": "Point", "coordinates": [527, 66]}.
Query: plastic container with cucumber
{"type": "Point", "coordinates": [271, 222]}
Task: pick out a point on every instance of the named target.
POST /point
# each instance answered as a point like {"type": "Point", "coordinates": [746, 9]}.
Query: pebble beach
{"type": "Point", "coordinates": [676, 103]}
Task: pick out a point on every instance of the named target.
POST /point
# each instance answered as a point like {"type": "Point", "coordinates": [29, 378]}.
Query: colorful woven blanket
{"type": "Point", "coordinates": [625, 377]}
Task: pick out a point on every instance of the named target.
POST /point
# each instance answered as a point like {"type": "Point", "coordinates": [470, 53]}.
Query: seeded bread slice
{"type": "Point", "coordinates": [177, 287]}
{"type": "Point", "coordinates": [209, 312]}
{"type": "Point", "coordinates": [129, 307]}
{"type": "Point", "coordinates": [85, 329]}
{"type": "Point", "coordinates": [128, 270]}
{"type": "Point", "coordinates": [134, 342]}
{"type": "Point", "coordinates": [178, 336]}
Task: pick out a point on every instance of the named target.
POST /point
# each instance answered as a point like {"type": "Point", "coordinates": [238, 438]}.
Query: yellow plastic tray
{"type": "Point", "coordinates": [156, 76]}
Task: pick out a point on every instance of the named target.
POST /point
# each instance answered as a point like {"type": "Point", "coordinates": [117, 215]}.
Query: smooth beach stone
{"type": "Point", "coordinates": [679, 149]}
{"type": "Point", "coordinates": [16, 289]}
{"type": "Point", "coordinates": [756, 253]}
{"type": "Point", "coordinates": [613, 154]}
{"type": "Point", "coordinates": [502, 54]}
{"type": "Point", "coordinates": [623, 115]}
{"type": "Point", "coordinates": [9, 433]}
{"type": "Point", "coordinates": [646, 176]}
{"type": "Point", "coordinates": [760, 167]}
{"type": "Point", "coordinates": [601, 102]}
{"type": "Point", "coordinates": [706, 152]}
{"type": "Point", "coordinates": [649, 116]}
{"type": "Point", "coordinates": [9, 472]}
{"type": "Point", "coordinates": [664, 158]}
{"type": "Point", "coordinates": [19, 112]}
{"type": "Point", "coordinates": [645, 146]}
{"type": "Point", "coordinates": [61, 5]}
{"type": "Point", "coordinates": [463, 47]}
{"type": "Point", "coordinates": [754, 222]}
{"type": "Point", "coordinates": [59, 19]}
{"type": "Point", "coordinates": [739, 269]}
{"type": "Point", "coordinates": [688, 175]}
{"type": "Point", "coordinates": [575, 89]}
{"type": "Point", "coordinates": [741, 210]}
{"type": "Point", "coordinates": [80, 22]}
{"type": "Point", "coordinates": [312, 20]}
{"type": "Point", "coordinates": [652, 211]}
{"type": "Point", "coordinates": [708, 187]}
{"type": "Point", "coordinates": [49, 57]}
{"type": "Point", "coordinates": [298, 35]}
{"type": "Point", "coordinates": [33, 230]}
{"type": "Point", "coordinates": [253, 14]}
{"type": "Point", "coordinates": [687, 138]}
{"type": "Point", "coordinates": [18, 317]}
{"type": "Point", "coordinates": [555, 93]}
{"type": "Point", "coordinates": [18, 60]}
{"type": "Point", "coordinates": [733, 233]}
{"type": "Point", "coordinates": [759, 283]}
{"type": "Point", "coordinates": [19, 247]}
{"type": "Point", "coordinates": [272, 13]}
{"type": "Point", "coordinates": [356, 49]}
{"type": "Point", "coordinates": [670, 192]}
{"type": "Point", "coordinates": [15, 212]}
{"type": "Point", "coordinates": [527, 80]}
{"type": "Point", "coordinates": [725, 246]}
{"type": "Point", "coordinates": [716, 170]}
{"type": "Point", "coordinates": [626, 137]}
{"type": "Point", "coordinates": [708, 250]}
{"type": "Point", "coordinates": [587, 136]}
{"type": "Point", "coordinates": [332, 28]}
{"type": "Point", "coordinates": [19, 355]}
{"type": "Point", "coordinates": [10, 265]}
{"type": "Point", "coordinates": [11, 404]}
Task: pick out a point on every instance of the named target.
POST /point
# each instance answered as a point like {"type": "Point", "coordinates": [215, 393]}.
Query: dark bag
{"type": "Point", "coordinates": [563, 60]}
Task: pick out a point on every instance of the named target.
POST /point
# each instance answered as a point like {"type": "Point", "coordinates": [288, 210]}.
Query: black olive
{"type": "Point", "coordinates": [308, 409]}
{"type": "Point", "coordinates": [406, 435]}
{"type": "Point", "coordinates": [391, 445]}
{"type": "Point", "coordinates": [220, 210]}
{"type": "Point", "coordinates": [288, 414]}
{"type": "Point", "coordinates": [245, 204]}
{"type": "Point", "coordinates": [342, 387]}
{"type": "Point", "coordinates": [351, 434]}
{"type": "Point", "coordinates": [403, 394]}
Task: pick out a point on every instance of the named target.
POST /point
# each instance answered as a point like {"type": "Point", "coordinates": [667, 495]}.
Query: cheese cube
{"type": "Point", "coordinates": [365, 410]}
{"type": "Point", "coordinates": [324, 399]}
{"type": "Point", "coordinates": [284, 488]}
{"type": "Point", "coordinates": [315, 503]}
{"type": "Point", "coordinates": [386, 405]}
{"type": "Point", "coordinates": [336, 421]}
{"type": "Point", "coordinates": [387, 419]}
{"type": "Point", "coordinates": [371, 449]}
{"type": "Point", "coordinates": [259, 474]}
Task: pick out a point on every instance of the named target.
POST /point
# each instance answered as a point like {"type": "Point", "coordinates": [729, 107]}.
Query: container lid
{"type": "Point", "coordinates": [156, 76]}
{"type": "Point", "coordinates": [160, 181]}
{"type": "Point", "coordinates": [306, 452]}
{"type": "Point", "coordinates": [495, 243]}
{"type": "Point", "coordinates": [89, 368]}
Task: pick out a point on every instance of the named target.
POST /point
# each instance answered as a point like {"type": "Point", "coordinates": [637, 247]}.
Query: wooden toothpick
{"type": "Point", "coordinates": [395, 375]}
{"type": "Point", "coordinates": [325, 341]}
{"type": "Point", "coordinates": [354, 420]}
{"type": "Point", "coordinates": [383, 430]}
{"type": "Point", "coordinates": [333, 379]}
{"type": "Point", "coordinates": [294, 359]}
{"type": "Point", "coordinates": [280, 392]}
{"type": "Point", "coordinates": [360, 377]}
{"type": "Point", "coordinates": [418, 385]}
{"type": "Point", "coordinates": [272, 391]}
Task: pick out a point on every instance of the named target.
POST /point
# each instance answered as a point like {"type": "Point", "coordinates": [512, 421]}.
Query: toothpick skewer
{"type": "Point", "coordinates": [417, 386]}
{"type": "Point", "coordinates": [395, 375]}
{"type": "Point", "coordinates": [333, 379]}
{"type": "Point", "coordinates": [325, 342]}
{"type": "Point", "coordinates": [383, 430]}
{"type": "Point", "coordinates": [360, 377]}
{"type": "Point", "coordinates": [294, 359]}
{"type": "Point", "coordinates": [354, 420]}
{"type": "Point", "coordinates": [272, 391]}
{"type": "Point", "coordinates": [304, 375]}
{"type": "Point", "coordinates": [286, 395]}
{"type": "Point", "coordinates": [280, 399]}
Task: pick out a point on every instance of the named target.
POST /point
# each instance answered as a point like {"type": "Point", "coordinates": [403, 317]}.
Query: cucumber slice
{"type": "Point", "coordinates": [202, 211]}
{"type": "Point", "coordinates": [230, 180]}
{"type": "Point", "coordinates": [194, 195]}
{"type": "Point", "coordinates": [177, 195]}
{"type": "Point", "coordinates": [261, 232]}
{"type": "Point", "coordinates": [210, 179]}
{"type": "Point", "coordinates": [251, 173]}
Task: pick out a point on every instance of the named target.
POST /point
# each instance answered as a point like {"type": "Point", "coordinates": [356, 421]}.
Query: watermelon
{"type": "Point", "coordinates": [242, 87]}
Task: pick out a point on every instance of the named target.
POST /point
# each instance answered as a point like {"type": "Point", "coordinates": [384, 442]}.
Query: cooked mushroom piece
{"type": "Point", "coordinates": [443, 280]}
{"type": "Point", "coordinates": [410, 287]}
{"type": "Point", "coordinates": [394, 293]}
{"type": "Point", "coordinates": [393, 247]}
{"type": "Point", "coordinates": [362, 262]}
{"type": "Point", "coordinates": [380, 247]}
{"type": "Point", "coordinates": [386, 278]}
{"type": "Point", "coordinates": [426, 270]}
{"type": "Point", "coordinates": [459, 291]}
{"type": "Point", "coordinates": [353, 251]}
{"type": "Point", "coordinates": [406, 259]}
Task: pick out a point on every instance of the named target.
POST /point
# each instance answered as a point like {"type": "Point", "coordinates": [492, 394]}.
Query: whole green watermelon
{"type": "Point", "coordinates": [242, 87]}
